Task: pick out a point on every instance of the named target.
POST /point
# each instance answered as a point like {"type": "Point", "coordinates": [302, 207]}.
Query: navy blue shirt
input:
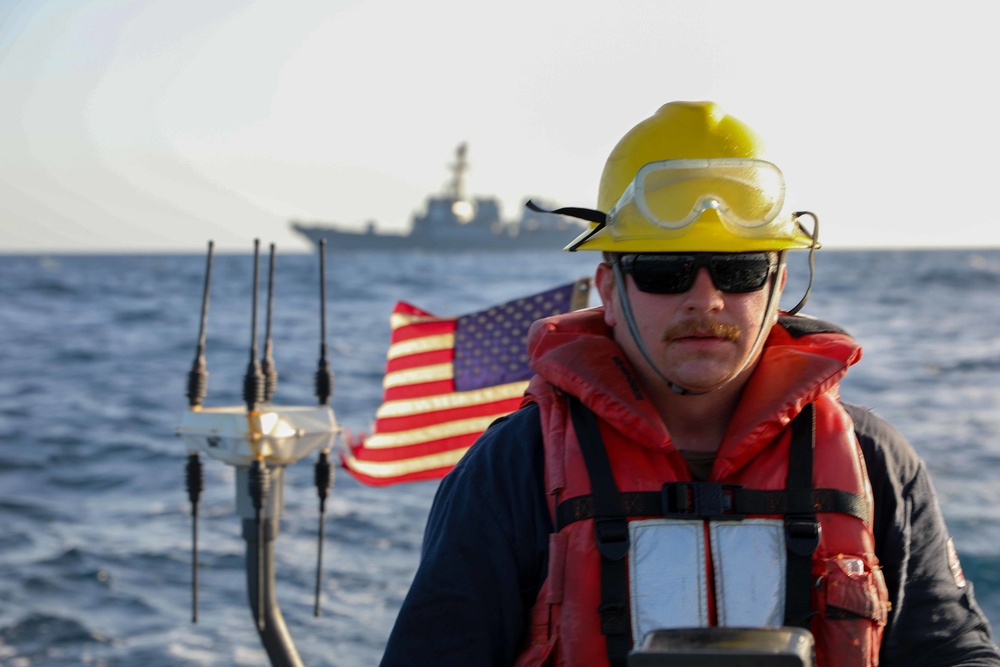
{"type": "Point", "coordinates": [485, 556]}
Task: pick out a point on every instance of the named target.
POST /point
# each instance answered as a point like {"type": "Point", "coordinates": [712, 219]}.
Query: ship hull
{"type": "Point", "coordinates": [337, 239]}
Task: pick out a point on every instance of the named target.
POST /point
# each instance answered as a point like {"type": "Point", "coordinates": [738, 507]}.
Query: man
{"type": "Point", "coordinates": [682, 458]}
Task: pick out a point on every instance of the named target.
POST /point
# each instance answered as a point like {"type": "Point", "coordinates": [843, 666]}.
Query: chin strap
{"type": "Point", "coordinates": [633, 329]}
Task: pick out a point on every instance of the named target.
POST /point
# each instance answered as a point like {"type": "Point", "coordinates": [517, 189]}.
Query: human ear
{"type": "Point", "coordinates": [604, 279]}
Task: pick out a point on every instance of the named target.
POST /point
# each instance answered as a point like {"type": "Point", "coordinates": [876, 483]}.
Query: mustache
{"type": "Point", "coordinates": [703, 326]}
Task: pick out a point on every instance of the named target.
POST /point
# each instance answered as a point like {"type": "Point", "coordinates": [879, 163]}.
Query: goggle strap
{"type": "Point", "coordinates": [588, 214]}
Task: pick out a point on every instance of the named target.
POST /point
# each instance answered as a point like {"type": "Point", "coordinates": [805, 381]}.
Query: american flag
{"type": "Point", "coordinates": [446, 380]}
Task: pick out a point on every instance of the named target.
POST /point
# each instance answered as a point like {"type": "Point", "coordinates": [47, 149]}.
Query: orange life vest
{"type": "Point", "coordinates": [686, 569]}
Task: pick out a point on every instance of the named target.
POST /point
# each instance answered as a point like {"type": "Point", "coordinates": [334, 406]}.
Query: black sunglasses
{"type": "Point", "coordinates": [668, 273]}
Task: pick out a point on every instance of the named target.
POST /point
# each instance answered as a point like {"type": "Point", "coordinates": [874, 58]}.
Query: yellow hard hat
{"type": "Point", "coordinates": [691, 178]}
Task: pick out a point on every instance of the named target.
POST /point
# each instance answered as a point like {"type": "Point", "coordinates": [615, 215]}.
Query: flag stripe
{"type": "Point", "coordinates": [391, 455]}
{"type": "Point", "coordinates": [434, 432]}
{"type": "Point", "coordinates": [448, 401]}
{"type": "Point", "coordinates": [410, 422]}
{"type": "Point", "coordinates": [421, 359]}
{"type": "Point", "coordinates": [409, 326]}
{"type": "Point", "coordinates": [423, 344]}
{"type": "Point", "coordinates": [432, 466]}
{"type": "Point", "coordinates": [418, 375]}
{"type": "Point", "coordinates": [407, 392]}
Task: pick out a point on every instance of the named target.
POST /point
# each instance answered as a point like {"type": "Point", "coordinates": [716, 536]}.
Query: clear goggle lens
{"type": "Point", "coordinates": [746, 194]}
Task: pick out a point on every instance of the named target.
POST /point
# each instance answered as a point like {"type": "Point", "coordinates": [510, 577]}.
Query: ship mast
{"type": "Point", "coordinates": [456, 186]}
{"type": "Point", "coordinates": [462, 209]}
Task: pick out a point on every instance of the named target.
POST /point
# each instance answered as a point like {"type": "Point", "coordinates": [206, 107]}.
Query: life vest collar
{"type": "Point", "coordinates": [798, 363]}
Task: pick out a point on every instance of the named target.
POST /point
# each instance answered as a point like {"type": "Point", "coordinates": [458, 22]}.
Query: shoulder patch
{"type": "Point", "coordinates": [801, 325]}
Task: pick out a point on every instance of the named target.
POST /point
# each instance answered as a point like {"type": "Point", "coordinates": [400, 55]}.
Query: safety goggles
{"type": "Point", "coordinates": [667, 273]}
{"type": "Point", "coordinates": [746, 194]}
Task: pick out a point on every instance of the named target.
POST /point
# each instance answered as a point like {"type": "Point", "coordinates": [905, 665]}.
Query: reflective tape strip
{"type": "Point", "coordinates": [667, 575]}
{"type": "Point", "coordinates": [749, 559]}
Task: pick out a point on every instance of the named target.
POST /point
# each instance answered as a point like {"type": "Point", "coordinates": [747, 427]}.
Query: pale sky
{"type": "Point", "coordinates": [155, 126]}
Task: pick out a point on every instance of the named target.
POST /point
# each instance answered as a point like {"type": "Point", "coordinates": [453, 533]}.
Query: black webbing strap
{"type": "Point", "coordinates": [802, 530]}
{"type": "Point", "coordinates": [698, 500]}
{"type": "Point", "coordinates": [611, 532]}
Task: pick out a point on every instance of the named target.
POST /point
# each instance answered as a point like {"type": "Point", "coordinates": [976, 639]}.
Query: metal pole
{"type": "Point", "coordinates": [273, 632]}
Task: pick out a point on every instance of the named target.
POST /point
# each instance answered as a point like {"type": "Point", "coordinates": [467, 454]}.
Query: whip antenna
{"type": "Point", "coordinates": [259, 482]}
{"type": "Point", "coordinates": [198, 376]}
{"type": "Point", "coordinates": [323, 474]}
{"type": "Point", "coordinates": [324, 378]}
{"type": "Point", "coordinates": [253, 394]}
{"type": "Point", "coordinates": [193, 477]}
{"type": "Point", "coordinates": [267, 362]}
{"type": "Point", "coordinates": [196, 390]}
{"type": "Point", "coordinates": [253, 381]}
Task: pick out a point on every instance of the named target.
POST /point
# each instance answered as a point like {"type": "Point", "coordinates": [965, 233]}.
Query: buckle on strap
{"type": "Point", "coordinates": [802, 534]}
{"type": "Point", "coordinates": [612, 537]}
{"type": "Point", "coordinates": [701, 499]}
{"type": "Point", "coordinates": [614, 618]}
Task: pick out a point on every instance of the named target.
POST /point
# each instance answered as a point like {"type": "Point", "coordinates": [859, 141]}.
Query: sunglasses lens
{"type": "Point", "coordinates": [663, 274]}
{"type": "Point", "coordinates": [740, 273]}
{"type": "Point", "coordinates": [675, 274]}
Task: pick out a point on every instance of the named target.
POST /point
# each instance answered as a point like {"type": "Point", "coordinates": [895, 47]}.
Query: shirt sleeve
{"type": "Point", "coordinates": [484, 554]}
{"type": "Point", "coordinates": [934, 619]}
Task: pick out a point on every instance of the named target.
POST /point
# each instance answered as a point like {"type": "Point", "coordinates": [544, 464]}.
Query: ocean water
{"type": "Point", "coordinates": [94, 353]}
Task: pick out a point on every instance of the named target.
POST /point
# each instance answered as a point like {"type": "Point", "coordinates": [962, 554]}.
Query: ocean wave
{"type": "Point", "coordinates": [29, 510]}
{"type": "Point", "coordinates": [975, 270]}
{"type": "Point", "coordinates": [38, 636]}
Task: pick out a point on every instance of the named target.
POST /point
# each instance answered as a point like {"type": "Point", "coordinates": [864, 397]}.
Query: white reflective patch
{"type": "Point", "coordinates": [749, 560]}
{"type": "Point", "coordinates": [667, 575]}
